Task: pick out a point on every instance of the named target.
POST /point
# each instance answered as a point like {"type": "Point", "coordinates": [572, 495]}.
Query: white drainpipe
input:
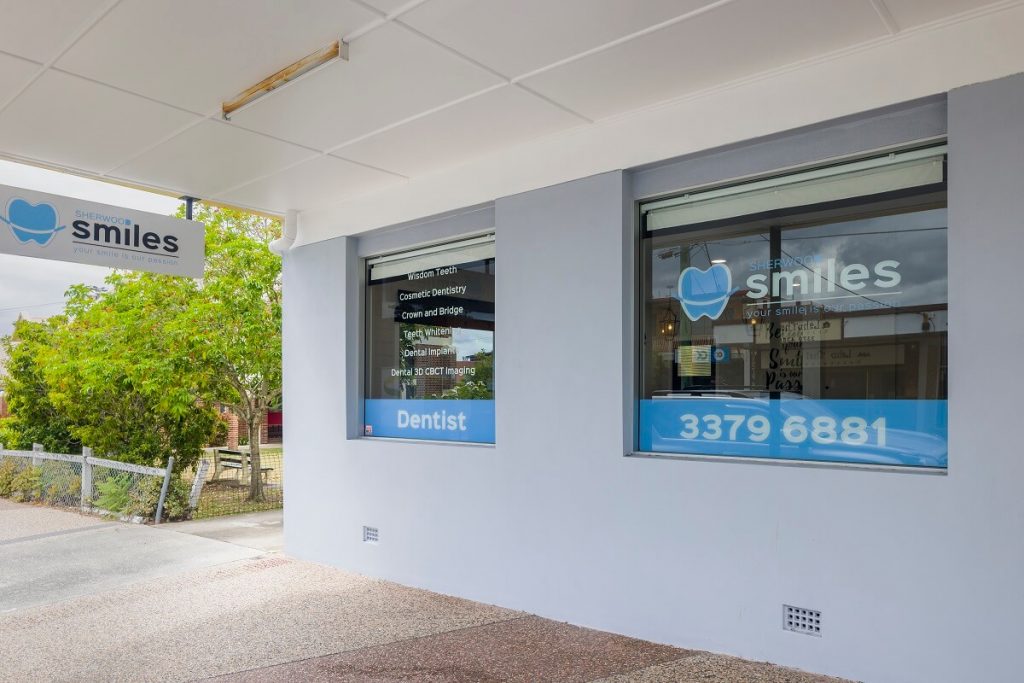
{"type": "Point", "coordinates": [281, 245]}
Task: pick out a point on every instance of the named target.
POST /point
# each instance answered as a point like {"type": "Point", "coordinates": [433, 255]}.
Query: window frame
{"type": "Point", "coordinates": [639, 231]}
{"type": "Point", "coordinates": [363, 262]}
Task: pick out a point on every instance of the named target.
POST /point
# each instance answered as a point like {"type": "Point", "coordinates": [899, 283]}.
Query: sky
{"type": "Point", "coordinates": [35, 287]}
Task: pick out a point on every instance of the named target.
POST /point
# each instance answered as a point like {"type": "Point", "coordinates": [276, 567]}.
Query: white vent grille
{"type": "Point", "coordinates": [801, 620]}
{"type": "Point", "coordinates": [370, 534]}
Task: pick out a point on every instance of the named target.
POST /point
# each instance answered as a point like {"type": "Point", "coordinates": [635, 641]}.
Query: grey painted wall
{"type": "Point", "coordinates": [918, 577]}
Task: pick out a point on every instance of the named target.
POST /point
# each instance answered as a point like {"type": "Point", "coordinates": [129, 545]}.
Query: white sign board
{"type": "Point", "coordinates": [59, 228]}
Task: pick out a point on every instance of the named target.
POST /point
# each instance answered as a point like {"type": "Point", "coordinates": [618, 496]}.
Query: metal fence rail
{"type": "Point", "coordinates": [85, 482]}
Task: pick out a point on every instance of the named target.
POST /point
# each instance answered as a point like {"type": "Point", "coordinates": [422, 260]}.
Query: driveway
{"type": "Point", "coordinates": [84, 600]}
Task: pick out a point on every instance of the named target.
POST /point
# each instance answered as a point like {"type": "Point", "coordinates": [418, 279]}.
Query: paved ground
{"type": "Point", "coordinates": [203, 600]}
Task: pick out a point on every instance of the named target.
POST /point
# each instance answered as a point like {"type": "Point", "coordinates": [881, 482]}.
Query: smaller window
{"type": "Point", "coordinates": [430, 343]}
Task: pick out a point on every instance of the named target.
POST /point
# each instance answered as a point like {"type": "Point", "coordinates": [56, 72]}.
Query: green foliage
{"type": "Point", "coordinates": [114, 493]}
{"type": "Point", "coordinates": [59, 481]}
{"type": "Point", "coordinates": [8, 471]}
{"type": "Point", "coordinates": [240, 298]}
{"type": "Point", "coordinates": [468, 390]}
{"type": "Point", "coordinates": [25, 485]}
{"type": "Point", "coordinates": [480, 388]}
{"type": "Point", "coordinates": [34, 417]}
{"type": "Point", "coordinates": [136, 371]}
{"type": "Point", "coordinates": [146, 497]}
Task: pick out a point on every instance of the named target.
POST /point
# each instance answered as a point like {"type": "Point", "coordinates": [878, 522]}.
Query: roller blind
{"type": "Point", "coordinates": [844, 181]}
{"type": "Point", "coordinates": [439, 256]}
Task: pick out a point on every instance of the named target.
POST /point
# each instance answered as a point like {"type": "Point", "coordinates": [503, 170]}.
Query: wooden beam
{"type": "Point", "coordinates": [289, 73]}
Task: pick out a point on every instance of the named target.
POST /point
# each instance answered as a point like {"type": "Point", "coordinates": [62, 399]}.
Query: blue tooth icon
{"type": "Point", "coordinates": [705, 292]}
{"type": "Point", "coordinates": [32, 222]}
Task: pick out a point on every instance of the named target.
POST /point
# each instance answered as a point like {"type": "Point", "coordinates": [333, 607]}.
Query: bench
{"type": "Point", "coordinates": [226, 459]}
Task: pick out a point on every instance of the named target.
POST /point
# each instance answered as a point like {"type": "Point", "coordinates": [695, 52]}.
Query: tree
{"type": "Point", "coordinates": [233, 326]}
{"type": "Point", "coordinates": [137, 371]}
{"type": "Point", "coordinates": [34, 418]}
{"type": "Point", "coordinates": [122, 378]}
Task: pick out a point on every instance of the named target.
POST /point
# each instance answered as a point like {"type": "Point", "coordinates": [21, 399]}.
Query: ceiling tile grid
{"type": "Point", "coordinates": [392, 74]}
{"type": "Point", "coordinates": [38, 29]}
{"type": "Point", "coordinates": [502, 117]}
{"type": "Point", "coordinates": [310, 184]}
{"type": "Point", "coordinates": [195, 54]}
{"type": "Point", "coordinates": [136, 86]}
{"type": "Point", "coordinates": [67, 121]}
{"type": "Point", "coordinates": [209, 158]}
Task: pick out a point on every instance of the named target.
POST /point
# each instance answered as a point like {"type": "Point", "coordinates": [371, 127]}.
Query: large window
{"type": "Point", "coordinates": [801, 317]}
{"type": "Point", "coordinates": [430, 343]}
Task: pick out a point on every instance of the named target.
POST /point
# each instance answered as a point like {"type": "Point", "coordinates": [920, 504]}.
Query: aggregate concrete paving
{"type": "Point", "coordinates": [125, 603]}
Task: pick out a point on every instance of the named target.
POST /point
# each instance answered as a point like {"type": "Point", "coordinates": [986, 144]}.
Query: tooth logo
{"type": "Point", "coordinates": [705, 292]}
{"type": "Point", "coordinates": [32, 222]}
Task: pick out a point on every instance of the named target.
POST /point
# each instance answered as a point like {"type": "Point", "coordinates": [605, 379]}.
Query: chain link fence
{"type": "Point", "coordinates": [85, 482]}
{"type": "Point", "coordinates": [221, 482]}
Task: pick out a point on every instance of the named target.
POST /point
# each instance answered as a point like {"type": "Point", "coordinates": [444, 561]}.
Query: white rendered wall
{"type": "Point", "coordinates": [919, 577]}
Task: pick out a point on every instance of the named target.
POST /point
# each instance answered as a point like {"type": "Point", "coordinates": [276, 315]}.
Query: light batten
{"type": "Point", "coordinates": [289, 74]}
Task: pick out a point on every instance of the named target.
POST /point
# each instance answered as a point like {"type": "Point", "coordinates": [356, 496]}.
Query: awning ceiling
{"type": "Point", "coordinates": [131, 90]}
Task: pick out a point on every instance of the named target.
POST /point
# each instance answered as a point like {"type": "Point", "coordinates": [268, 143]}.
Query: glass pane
{"type": "Point", "coordinates": [430, 348]}
{"type": "Point", "coordinates": [805, 337]}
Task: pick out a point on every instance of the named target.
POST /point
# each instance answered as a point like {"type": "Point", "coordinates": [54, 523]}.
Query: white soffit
{"type": "Point", "coordinates": [309, 185]}
{"type": "Point", "coordinates": [209, 158]}
{"type": "Point", "coordinates": [505, 116]}
{"type": "Point", "coordinates": [38, 29]}
{"type": "Point", "coordinates": [389, 6]}
{"type": "Point", "coordinates": [737, 39]}
{"type": "Point", "coordinates": [392, 74]}
{"type": "Point", "coordinates": [15, 74]}
{"type": "Point", "coordinates": [472, 99]}
{"type": "Point", "coordinates": [909, 65]}
{"type": "Point", "coordinates": [47, 120]}
{"type": "Point", "coordinates": [910, 13]}
{"type": "Point", "coordinates": [517, 37]}
{"type": "Point", "coordinates": [197, 53]}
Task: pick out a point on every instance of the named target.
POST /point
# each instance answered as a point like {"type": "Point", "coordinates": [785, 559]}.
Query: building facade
{"type": "Point", "coordinates": [586, 509]}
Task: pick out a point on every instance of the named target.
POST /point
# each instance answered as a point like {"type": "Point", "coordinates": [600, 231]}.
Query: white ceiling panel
{"type": "Point", "coordinates": [392, 74]}
{"type": "Point", "coordinates": [732, 41]}
{"type": "Point", "coordinates": [68, 121]}
{"type": "Point", "coordinates": [211, 157]}
{"type": "Point", "coordinates": [197, 53]}
{"type": "Point", "coordinates": [37, 29]}
{"type": "Point", "coordinates": [310, 185]}
{"type": "Point", "coordinates": [14, 74]}
{"type": "Point", "coordinates": [910, 13]}
{"type": "Point", "coordinates": [387, 6]}
{"type": "Point", "coordinates": [517, 37]}
{"type": "Point", "coordinates": [501, 118]}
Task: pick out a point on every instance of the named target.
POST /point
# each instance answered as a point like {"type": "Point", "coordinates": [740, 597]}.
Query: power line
{"type": "Point", "coordinates": [22, 308]}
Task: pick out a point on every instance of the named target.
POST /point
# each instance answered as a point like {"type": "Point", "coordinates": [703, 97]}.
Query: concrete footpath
{"type": "Point", "coordinates": [85, 600]}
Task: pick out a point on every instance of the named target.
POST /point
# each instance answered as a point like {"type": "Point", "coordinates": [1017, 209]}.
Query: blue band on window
{"type": "Point", "coordinates": [884, 432]}
{"type": "Point", "coordinates": [432, 419]}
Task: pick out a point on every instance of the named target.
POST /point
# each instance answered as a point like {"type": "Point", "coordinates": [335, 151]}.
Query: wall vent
{"type": "Point", "coordinates": [370, 534]}
{"type": "Point", "coordinates": [801, 620]}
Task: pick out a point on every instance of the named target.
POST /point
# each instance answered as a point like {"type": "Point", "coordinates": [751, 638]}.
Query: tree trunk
{"type": "Point", "coordinates": [255, 475]}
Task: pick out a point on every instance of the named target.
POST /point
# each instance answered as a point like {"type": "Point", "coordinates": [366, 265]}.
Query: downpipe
{"type": "Point", "coordinates": [284, 243]}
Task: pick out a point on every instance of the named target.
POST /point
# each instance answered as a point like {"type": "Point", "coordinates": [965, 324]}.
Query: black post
{"type": "Point", "coordinates": [189, 203]}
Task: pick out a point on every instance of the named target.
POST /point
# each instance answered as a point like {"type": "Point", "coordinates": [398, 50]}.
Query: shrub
{"type": "Point", "coordinates": [146, 496]}
{"type": "Point", "coordinates": [59, 482]}
{"type": "Point", "coordinates": [114, 493]}
{"type": "Point", "coordinates": [8, 471]}
{"type": "Point", "coordinates": [25, 487]}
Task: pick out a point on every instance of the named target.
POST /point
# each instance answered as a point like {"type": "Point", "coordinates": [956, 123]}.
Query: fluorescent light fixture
{"type": "Point", "coordinates": [718, 260]}
{"type": "Point", "coordinates": [291, 73]}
